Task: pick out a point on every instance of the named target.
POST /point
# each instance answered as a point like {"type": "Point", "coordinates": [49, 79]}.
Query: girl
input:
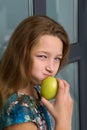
{"type": "Point", "coordinates": [37, 49]}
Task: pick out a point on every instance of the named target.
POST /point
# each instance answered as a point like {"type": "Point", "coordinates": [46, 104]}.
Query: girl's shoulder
{"type": "Point", "coordinates": [20, 108]}
{"type": "Point", "coordinates": [19, 101]}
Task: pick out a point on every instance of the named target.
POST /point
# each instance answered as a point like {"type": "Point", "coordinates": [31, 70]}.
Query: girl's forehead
{"type": "Point", "coordinates": [49, 43]}
{"type": "Point", "coordinates": [49, 40]}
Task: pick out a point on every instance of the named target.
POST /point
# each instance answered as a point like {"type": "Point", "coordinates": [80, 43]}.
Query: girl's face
{"type": "Point", "coordinates": [46, 56]}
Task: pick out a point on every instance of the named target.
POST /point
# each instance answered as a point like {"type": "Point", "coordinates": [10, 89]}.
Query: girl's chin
{"type": "Point", "coordinates": [38, 81]}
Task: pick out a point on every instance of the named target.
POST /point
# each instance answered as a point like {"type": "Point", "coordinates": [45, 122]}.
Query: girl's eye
{"type": "Point", "coordinates": [42, 56]}
{"type": "Point", "coordinates": [57, 59]}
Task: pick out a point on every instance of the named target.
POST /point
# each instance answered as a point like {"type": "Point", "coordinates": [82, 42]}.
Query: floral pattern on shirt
{"type": "Point", "coordinates": [22, 108]}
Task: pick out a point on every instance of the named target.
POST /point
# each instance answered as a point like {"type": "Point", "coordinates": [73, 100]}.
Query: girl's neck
{"type": "Point", "coordinates": [29, 90]}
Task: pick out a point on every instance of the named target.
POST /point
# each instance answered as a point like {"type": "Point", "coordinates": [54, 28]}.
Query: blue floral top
{"type": "Point", "coordinates": [22, 108]}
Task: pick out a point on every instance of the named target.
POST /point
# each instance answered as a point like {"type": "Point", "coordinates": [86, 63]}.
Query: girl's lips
{"type": "Point", "coordinates": [46, 75]}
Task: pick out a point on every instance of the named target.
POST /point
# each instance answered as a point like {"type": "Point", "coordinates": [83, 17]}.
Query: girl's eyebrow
{"type": "Point", "coordinates": [61, 55]}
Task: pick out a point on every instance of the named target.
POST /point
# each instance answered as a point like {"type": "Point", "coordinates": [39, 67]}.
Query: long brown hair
{"type": "Point", "coordinates": [16, 63]}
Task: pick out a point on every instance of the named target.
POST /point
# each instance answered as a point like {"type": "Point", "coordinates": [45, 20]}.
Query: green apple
{"type": "Point", "coordinates": [49, 87]}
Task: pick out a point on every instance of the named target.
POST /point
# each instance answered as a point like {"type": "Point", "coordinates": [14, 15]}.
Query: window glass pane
{"type": "Point", "coordinates": [70, 74]}
{"type": "Point", "coordinates": [65, 12]}
{"type": "Point", "coordinates": [11, 13]}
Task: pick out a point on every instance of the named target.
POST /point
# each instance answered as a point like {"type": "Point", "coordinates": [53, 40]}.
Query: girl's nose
{"type": "Point", "coordinates": [50, 68]}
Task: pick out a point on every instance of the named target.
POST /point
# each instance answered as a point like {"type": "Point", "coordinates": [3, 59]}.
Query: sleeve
{"type": "Point", "coordinates": [17, 113]}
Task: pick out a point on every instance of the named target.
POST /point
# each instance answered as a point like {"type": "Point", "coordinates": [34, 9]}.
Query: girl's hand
{"type": "Point", "coordinates": [62, 107]}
